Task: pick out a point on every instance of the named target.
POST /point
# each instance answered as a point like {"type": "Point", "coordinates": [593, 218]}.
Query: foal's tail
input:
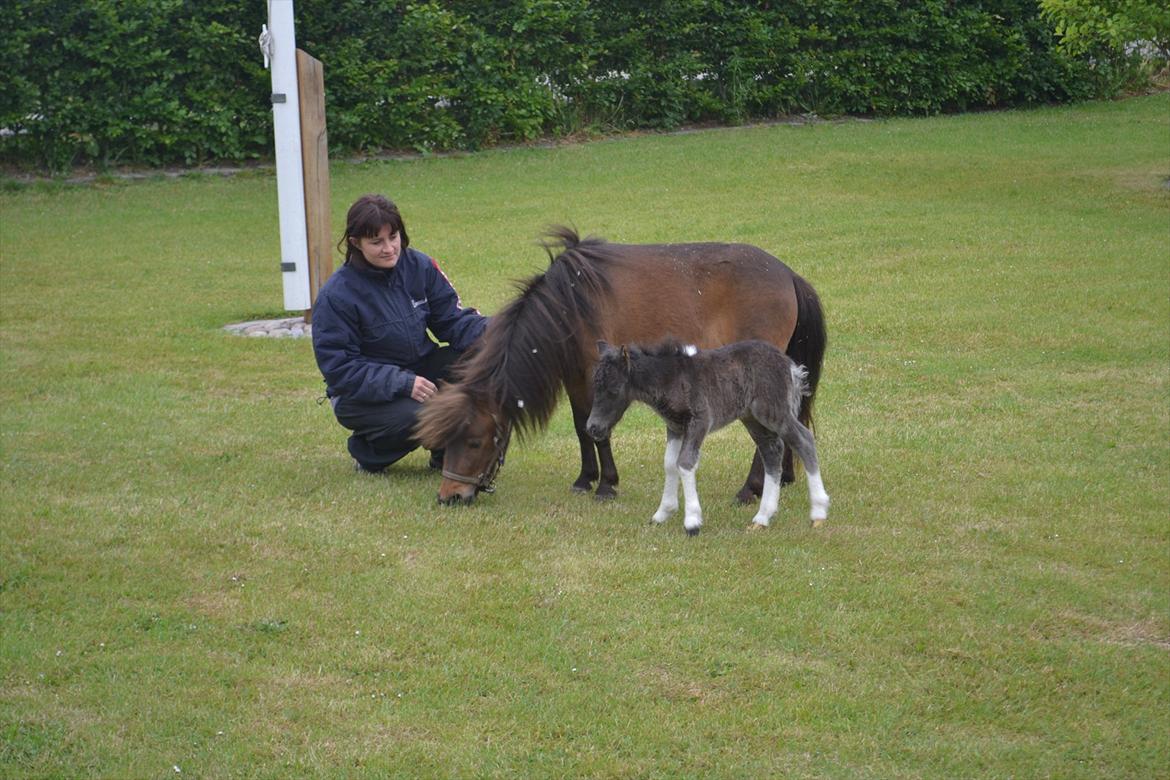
{"type": "Point", "coordinates": [807, 345]}
{"type": "Point", "coordinates": [799, 389]}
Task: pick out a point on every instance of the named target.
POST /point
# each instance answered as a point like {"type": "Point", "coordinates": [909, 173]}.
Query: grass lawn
{"type": "Point", "coordinates": [193, 580]}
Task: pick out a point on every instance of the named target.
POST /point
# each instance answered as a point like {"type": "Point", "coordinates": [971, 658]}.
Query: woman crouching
{"type": "Point", "coordinates": [370, 324]}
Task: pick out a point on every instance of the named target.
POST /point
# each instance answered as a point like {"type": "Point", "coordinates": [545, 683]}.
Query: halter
{"type": "Point", "coordinates": [485, 481]}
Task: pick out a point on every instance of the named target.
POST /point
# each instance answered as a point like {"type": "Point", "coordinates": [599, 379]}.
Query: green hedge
{"type": "Point", "coordinates": [157, 82]}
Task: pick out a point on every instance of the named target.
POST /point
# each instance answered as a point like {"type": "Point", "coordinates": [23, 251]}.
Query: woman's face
{"type": "Point", "coordinates": [382, 250]}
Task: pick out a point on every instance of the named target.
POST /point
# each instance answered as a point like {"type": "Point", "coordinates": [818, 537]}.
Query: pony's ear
{"type": "Point", "coordinates": [602, 347]}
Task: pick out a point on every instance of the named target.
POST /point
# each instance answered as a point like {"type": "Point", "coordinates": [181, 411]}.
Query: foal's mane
{"type": "Point", "coordinates": [668, 347]}
{"type": "Point", "coordinates": [534, 342]}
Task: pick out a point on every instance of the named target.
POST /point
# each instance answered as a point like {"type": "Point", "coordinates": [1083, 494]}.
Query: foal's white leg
{"type": "Point", "coordinates": [694, 512]}
{"type": "Point", "coordinates": [801, 440]}
{"type": "Point", "coordinates": [769, 500]}
{"type": "Point", "coordinates": [817, 498]}
{"type": "Point", "coordinates": [669, 501]}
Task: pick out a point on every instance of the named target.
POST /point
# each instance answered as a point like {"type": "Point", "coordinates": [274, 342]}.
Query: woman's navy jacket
{"type": "Point", "coordinates": [370, 326]}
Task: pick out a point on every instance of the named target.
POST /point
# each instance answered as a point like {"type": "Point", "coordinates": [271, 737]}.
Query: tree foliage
{"type": "Point", "coordinates": [1118, 26]}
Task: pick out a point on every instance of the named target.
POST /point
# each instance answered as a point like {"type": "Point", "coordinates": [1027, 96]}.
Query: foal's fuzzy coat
{"type": "Point", "coordinates": [696, 392]}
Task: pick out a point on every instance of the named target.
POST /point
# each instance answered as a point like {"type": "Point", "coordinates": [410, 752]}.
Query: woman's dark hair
{"type": "Point", "coordinates": [366, 217]}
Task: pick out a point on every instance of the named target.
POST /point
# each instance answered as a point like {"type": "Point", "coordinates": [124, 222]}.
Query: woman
{"type": "Point", "coordinates": [370, 338]}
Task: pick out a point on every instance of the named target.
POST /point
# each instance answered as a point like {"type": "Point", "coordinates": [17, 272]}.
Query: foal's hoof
{"type": "Point", "coordinates": [692, 532]}
{"type": "Point", "coordinates": [606, 494]}
{"type": "Point", "coordinates": [757, 527]}
{"type": "Point", "coordinates": [577, 487]}
{"type": "Point", "coordinates": [818, 522]}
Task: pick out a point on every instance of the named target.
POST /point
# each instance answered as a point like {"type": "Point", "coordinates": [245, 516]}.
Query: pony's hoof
{"type": "Point", "coordinates": [576, 488]}
{"type": "Point", "coordinates": [747, 496]}
{"type": "Point", "coordinates": [693, 531]}
{"type": "Point", "coordinates": [757, 527]}
{"type": "Point", "coordinates": [605, 495]}
{"type": "Point", "coordinates": [818, 522]}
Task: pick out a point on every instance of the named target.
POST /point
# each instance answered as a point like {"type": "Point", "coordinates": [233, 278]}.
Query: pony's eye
{"type": "Point", "coordinates": [474, 444]}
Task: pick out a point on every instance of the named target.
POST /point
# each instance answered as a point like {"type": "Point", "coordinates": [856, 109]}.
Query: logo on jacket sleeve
{"type": "Point", "coordinates": [458, 300]}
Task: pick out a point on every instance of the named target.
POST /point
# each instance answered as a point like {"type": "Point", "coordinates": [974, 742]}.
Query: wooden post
{"type": "Point", "coordinates": [315, 156]}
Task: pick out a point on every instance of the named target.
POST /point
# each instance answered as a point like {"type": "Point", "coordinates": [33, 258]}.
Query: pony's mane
{"type": "Point", "coordinates": [535, 341]}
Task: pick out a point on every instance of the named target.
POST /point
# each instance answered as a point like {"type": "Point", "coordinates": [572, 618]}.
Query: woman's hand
{"type": "Point", "coordinates": [423, 389]}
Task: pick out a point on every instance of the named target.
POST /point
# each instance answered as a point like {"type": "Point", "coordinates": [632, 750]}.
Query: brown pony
{"type": "Point", "coordinates": [545, 338]}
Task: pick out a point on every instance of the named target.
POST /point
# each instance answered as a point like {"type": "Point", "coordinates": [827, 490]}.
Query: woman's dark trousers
{"type": "Point", "coordinates": [382, 430]}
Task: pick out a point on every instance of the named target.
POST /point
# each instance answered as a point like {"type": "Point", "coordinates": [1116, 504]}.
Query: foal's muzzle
{"type": "Point", "coordinates": [596, 432]}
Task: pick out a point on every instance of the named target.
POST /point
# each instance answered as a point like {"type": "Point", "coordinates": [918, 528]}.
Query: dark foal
{"type": "Point", "coordinates": [696, 392]}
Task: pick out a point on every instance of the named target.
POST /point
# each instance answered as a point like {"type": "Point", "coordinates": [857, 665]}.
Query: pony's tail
{"type": "Point", "coordinates": [808, 342]}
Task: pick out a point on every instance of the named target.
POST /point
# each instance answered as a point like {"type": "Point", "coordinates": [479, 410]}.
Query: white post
{"type": "Point", "coordinates": [290, 184]}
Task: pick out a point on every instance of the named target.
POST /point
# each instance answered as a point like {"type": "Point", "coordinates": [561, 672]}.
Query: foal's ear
{"type": "Point", "coordinates": [602, 347]}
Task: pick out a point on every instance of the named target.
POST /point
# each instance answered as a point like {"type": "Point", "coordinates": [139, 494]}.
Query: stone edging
{"type": "Point", "coordinates": [288, 327]}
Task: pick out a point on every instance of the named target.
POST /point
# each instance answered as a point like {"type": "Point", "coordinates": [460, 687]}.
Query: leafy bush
{"type": "Point", "coordinates": [172, 81]}
{"type": "Point", "coordinates": [1126, 41]}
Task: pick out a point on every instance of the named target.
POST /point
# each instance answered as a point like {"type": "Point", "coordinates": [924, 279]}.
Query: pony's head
{"type": "Point", "coordinates": [611, 389]}
{"type": "Point", "coordinates": [510, 379]}
{"type": "Point", "coordinates": [474, 440]}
